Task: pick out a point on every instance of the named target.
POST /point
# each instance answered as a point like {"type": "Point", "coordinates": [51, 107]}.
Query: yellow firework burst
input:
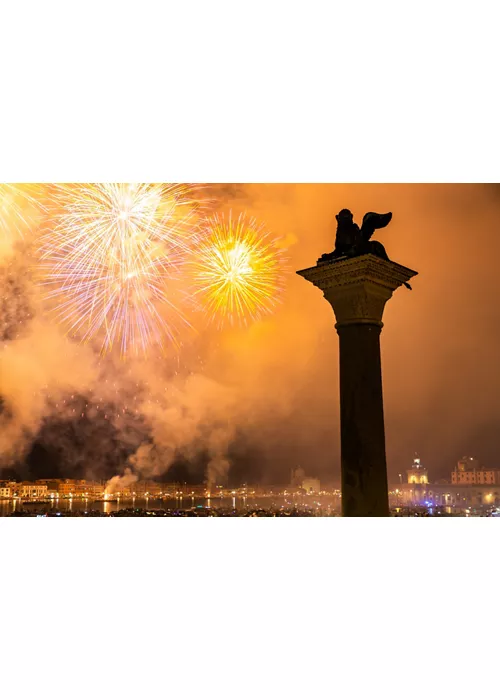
{"type": "Point", "coordinates": [238, 270]}
{"type": "Point", "coordinates": [109, 258]}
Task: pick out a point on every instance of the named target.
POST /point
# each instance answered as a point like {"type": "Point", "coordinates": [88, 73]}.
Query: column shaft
{"type": "Point", "coordinates": [363, 459]}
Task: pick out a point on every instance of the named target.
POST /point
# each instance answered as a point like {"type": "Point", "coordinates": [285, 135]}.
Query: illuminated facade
{"type": "Point", "coordinates": [417, 474]}
{"type": "Point", "coordinates": [469, 471]}
{"type": "Point", "coordinates": [461, 495]}
{"type": "Point", "coordinates": [29, 490]}
{"type": "Point", "coordinates": [67, 487]}
{"type": "Point", "coordinates": [72, 488]}
{"type": "Point", "coordinates": [89, 489]}
{"type": "Point", "coordinates": [5, 491]}
{"type": "Point", "coordinates": [311, 485]}
{"type": "Point", "coordinates": [51, 484]}
{"type": "Point", "coordinates": [480, 489]}
{"type": "Point", "coordinates": [151, 489]}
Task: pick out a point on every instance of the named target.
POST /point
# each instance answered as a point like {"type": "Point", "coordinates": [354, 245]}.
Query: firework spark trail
{"type": "Point", "coordinates": [17, 204]}
{"type": "Point", "coordinates": [110, 255]}
{"type": "Point", "coordinates": [238, 270]}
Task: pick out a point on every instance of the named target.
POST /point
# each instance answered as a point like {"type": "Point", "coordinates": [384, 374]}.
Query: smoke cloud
{"type": "Point", "coordinates": [118, 483]}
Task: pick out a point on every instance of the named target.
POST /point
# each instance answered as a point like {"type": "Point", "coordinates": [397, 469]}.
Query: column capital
{"type": "Point", "coordinates": [358, 288]}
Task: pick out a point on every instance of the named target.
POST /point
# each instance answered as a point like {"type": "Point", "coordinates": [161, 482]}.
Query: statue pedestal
{"type": "Point", "coordinates": [358, 289]}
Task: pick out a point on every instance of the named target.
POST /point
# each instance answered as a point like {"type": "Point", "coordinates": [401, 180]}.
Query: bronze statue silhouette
{"type": "Point", "coordinates": [352, 241]}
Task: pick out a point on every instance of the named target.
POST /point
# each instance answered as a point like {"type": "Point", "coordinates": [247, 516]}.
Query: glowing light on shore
{"type": "Point", "coordinates": [238, 270]}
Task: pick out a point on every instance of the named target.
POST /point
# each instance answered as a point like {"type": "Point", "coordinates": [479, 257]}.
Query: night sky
{"type": "Point", "coordinates": [255, 401]}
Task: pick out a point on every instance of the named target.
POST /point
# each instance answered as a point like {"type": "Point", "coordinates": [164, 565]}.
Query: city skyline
{"type": "Point", "coordinates": [471, 489]}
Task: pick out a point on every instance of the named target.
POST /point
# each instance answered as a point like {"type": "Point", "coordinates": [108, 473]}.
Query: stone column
{"type": "Point", "coordinates": [358, 289]}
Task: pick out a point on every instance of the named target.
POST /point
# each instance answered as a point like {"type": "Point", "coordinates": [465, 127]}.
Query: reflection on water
{"type": "Point", "coordinates": [74, 505]}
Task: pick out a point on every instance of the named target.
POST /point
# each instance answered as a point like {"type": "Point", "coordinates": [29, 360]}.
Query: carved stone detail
{"type": "Point", "coordinates": [358, 288]}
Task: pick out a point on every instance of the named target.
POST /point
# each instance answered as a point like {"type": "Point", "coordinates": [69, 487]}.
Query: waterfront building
{"type": "Point", "coordinates": [52, 486]}
{"type": "Point", "coordinates": [72, 488]}
{"type": "Point", "coordinates": [311, 485]}
{"type": "Point", "coordinates": [417, 474]}
{"type": "Point", "coordinates": [88, 489]}
{"type": "Point", "coordinates": [150, 489]}
{"type": "Point", "coordinates": [462, 495]}
{"type": "Point", "coordinates": [67, 487]}
{"type": "Point", "coordinates": [5, 490]}
{"type": "Point", "coordinates": [297, 477]}
{"type": "Point", "coordinates": [483, 490]}
{"type": "Point", "coordinates": [30, 490]}
{"type": "Point", "coordinates": [469, 471]}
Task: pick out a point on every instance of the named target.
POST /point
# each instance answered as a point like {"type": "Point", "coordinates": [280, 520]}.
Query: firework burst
{"type": "Point", "coordinates": [110, 256]}
{"type": "Point", "coordinates": [238, 270]}
{"type": "Point", "coordinates": [18, 204]}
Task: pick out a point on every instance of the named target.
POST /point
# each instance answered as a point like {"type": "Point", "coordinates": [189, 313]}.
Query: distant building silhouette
{"type": "Point", "coordinates": [311, 485]}
{"type": "Point", "coordinates": [297, 477]}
